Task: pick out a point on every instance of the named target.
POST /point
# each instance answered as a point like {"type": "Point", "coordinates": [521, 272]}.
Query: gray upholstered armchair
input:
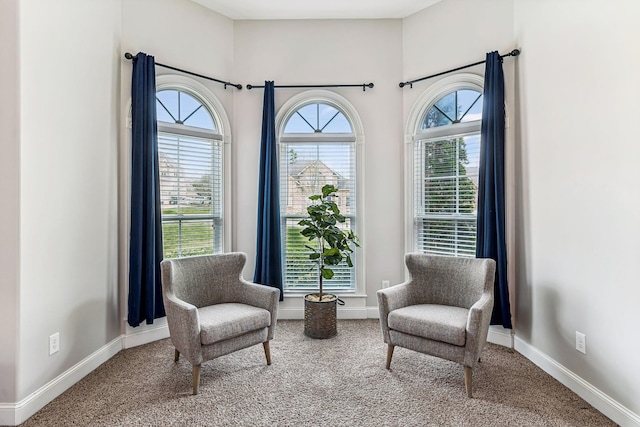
{"type": "Point", "coordinates": [443, 309]}
{"type": "Point", "coordinates": [212, 311]}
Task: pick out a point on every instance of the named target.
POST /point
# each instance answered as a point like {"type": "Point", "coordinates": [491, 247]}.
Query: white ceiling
{"type": "Point", "coordinates": [316, 9]}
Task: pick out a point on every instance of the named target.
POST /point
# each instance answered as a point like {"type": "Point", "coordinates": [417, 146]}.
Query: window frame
{"type": "Point", "coordinates": [357, 138]}
{"type": "Point", "coordinates": [415, 134]}
{"type": "Point", "coordinates": [223, 134]}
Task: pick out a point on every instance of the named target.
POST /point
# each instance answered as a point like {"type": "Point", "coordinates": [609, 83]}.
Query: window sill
{"type": "Point", "coordinates": [340, 294]}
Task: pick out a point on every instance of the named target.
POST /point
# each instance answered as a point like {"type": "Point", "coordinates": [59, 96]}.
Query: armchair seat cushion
{"type": "Point", "coordinates": [432, 321]}
{"type": "Point", "coordinates": [221, 322]}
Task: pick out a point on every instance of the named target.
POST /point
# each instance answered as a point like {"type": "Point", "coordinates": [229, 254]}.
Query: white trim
{"type": "Point", "coordinates": [373, 312]}
{"type": "Point", "coordinates": [500, 336]}
{"type": "Point", "coordinates": [342, 313]}
{"type": "Point", "coordinates": [201, 93]}
{"type": "Point", "coordinates": [215, 107]}
{"type": "Point", "coordinates": [144, 334]}
{"type": "Point", "coordinates": [323, 96]}
{"type": "Point", "coordinates": [412, 128]}
{"type": "Point", "coordinates": [432, 93]}
{"type": "Point", "coordinates": [189, 131]}
{"type": "Point", "coordinates": [461, 129]}
{"type": "Point", "coordinates": [611, 408]}
{"type": "Point", "coordinates": [17, 413]}
{"type": "Point", "coordinates": [343, 105]}
{"type": "Point", "coordinates": [334, 137]}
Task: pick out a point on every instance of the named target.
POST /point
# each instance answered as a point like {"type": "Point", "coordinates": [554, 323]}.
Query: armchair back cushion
{"type": "Point", "coordinates": [208, 280]}
{"type": "Point", "coordinates": [458, 282]}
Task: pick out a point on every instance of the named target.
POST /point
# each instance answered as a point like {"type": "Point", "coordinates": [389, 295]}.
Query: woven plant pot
{"type": "Point", "coordinates": [320, 317]}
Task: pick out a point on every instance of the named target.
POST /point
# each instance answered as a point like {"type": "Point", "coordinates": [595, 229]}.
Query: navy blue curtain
{"type": "Point", "coordinates": [268, 246]}
{"type": "Point", "coordinates": [491, 240]}
{"type": "Point", "coordinates": [145, 249]}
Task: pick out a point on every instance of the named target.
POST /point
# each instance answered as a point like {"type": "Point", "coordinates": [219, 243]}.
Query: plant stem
{"type": "Point", "coordinates": [321, 265]}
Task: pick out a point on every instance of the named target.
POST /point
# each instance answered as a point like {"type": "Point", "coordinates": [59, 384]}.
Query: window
{"type": "Point", "coordinates": [317, 147]}
{"type": "Point", "coordinates": [190, 153]}
{"type": "Point", "coordinates": [446, 150]}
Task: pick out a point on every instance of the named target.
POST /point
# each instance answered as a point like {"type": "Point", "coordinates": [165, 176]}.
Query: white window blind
{"type": "Point", "coordinates": [445, 176]}
{"type": "Point", "coordinates": [190, 154]}
{"type": "Point", "coordinates": [307, 162]}
{"type": "Point", "coordinates": [446, 188]}
{"type": "Point", "coordinates": [191, 195]}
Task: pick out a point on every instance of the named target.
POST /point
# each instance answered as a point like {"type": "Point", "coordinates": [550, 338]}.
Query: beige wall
{"type": "Point", "coordinates": [10, 191]}
{"type": "Point", "coordinates": [578, 203]}
{"type": "Point", "coordinates": [68, 183]}
{"type": "Point", "coordinates": [316, 52]}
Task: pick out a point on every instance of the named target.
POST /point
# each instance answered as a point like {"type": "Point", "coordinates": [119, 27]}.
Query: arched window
{"type": "Point", "coordinates": [191, 157]}
{"type": "Point", "coordinates": [446, 151]}
{"type": "Point", "coordinates": [318, 146]}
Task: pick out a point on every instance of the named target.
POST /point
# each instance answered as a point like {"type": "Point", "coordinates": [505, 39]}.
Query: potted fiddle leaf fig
{"type": "Point", "coordinates": [330, 246]}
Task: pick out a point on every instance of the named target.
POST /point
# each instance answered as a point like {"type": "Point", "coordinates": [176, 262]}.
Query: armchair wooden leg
{"type": "Point", "coordinates": [267, 352]}
{"type": "Point", "coordinates": [195, 374]}
{"type": "Point", "coordinates": [468, 380]}
{"type": "Point", "coordinates": [389, 355]}
{"type": "Point", "coordinates": [176, 357]}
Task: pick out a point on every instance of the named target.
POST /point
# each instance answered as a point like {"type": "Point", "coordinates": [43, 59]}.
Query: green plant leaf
{"type": "Point", "coordinates": [310, 233]}
{"type": "Point", "coordinates": [327, 273]}
{"type": "Point", "coordinates": [328, 189]}
{"type": "Point", "coordinates": [331, 252]}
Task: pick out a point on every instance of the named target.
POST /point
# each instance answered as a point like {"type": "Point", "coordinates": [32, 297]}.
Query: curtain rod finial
{"type": "Point", "coordinates": [128, 55]}
{"type": "Point", "coordinates": [515, 52]}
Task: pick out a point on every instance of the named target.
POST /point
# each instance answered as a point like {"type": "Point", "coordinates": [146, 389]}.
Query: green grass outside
{"type": "Point", "coordinates": [187, 210]}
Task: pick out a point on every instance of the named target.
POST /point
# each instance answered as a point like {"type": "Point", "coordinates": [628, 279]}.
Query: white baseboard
{"type": "Point", "coordinates": [613, 409]}
{"type": "Point", "coordinates": [501, 336]}
{"type": "Point", "coordinates": [343, 313]}
{"type": "Point", "coordinates": [17, 413]}
{"type": "Point", "coordinates": [8, 414]}
{"type": "Point", "coordinates": [145, 334]}
{"type": "Point", "coordinates": [373, 312]}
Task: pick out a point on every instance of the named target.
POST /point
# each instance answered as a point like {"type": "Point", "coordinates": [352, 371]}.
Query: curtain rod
{"type": "Point", "coordinates": [364, 86]}
{"type": "Point", "coordinates": [514, 52]}
{"type": "Point", "coordinates": [237, 86]}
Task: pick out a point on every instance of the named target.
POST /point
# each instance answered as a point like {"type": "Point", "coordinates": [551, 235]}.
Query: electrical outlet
{"type": "Point", "coordinates": [54, 343]}
{"type": "Point", "coordinates": [581, 342]}
{"type": "Point", "coordinates": [385, 284]}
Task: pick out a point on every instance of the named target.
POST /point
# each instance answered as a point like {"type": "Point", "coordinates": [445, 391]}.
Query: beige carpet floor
{"type": "Point", "coordinates": [336, 382]}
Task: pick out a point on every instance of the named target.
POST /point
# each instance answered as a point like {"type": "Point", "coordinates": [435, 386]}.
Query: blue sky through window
{"type": "Point", "coordinates": [317, 118]}
{"type": "Point", "coordinates": [456, 107]}
{"type": "Point", "coordinates": [175, 106]}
